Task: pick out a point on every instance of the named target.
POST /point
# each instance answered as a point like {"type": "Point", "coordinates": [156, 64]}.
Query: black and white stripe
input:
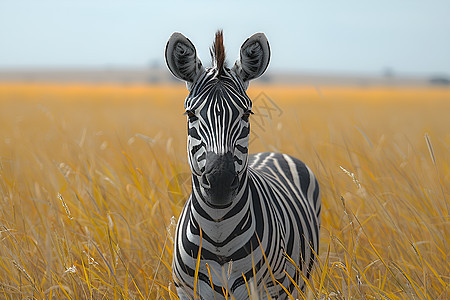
{"type": "Point", "coordinates": [273, 213]}
{"type": "Point", "coordinates": [218, 106]}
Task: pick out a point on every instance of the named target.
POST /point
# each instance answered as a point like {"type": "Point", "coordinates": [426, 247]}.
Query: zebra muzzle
{"type": "Point", "coordinates": [220, 180]}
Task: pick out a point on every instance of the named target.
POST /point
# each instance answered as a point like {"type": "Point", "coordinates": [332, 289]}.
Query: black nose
{"type": "Point", "coordinates": [214, 180]}
{"type": "Point", "coordinates": [219, 179]}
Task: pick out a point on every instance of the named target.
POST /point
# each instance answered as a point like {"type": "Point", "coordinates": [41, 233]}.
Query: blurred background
{"type": "Point", "coordinates": [328, 42]}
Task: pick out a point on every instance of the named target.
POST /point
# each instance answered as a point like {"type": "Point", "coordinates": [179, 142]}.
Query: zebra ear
{"type": "Point", "coordinates": [181, 58]}
{"type": "Point", "coordinates": [254, 58]}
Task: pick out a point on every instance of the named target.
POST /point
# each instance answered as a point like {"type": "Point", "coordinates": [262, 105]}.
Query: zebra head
{"type": "Point", "coordinates": [218, 111]}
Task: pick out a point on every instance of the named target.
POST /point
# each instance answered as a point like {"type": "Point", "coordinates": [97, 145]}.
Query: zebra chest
{"type": "Point", "coordinates": [220, 240]}
{"type": "Point", "coordinates": [222, 237]}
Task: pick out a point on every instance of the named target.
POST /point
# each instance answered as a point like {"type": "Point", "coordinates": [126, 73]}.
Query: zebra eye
{"type": "Point", "coordinates": [246, 115]}
{"type": "Point", "coordinates": [192, 117]}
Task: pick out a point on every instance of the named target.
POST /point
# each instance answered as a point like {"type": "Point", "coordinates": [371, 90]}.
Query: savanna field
{"type": "Point", "coordinates": [92, 179]}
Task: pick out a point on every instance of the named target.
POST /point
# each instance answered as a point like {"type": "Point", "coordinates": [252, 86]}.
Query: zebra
{"type": "Point", "coordinates": [251, 223]}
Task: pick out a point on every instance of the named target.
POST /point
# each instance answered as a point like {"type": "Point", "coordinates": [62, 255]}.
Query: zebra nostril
{"type": "Point", "coordinates": [235, 182]}
{"type": "Point", "coordinates": [205, 182]}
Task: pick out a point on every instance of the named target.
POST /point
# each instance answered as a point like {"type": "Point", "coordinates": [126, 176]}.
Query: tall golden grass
{"type": "Point", "coordinates": [92, 179]}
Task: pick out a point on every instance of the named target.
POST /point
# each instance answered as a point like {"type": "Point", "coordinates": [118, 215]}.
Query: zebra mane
{"type": "Point", "coordinates": [218, 53]}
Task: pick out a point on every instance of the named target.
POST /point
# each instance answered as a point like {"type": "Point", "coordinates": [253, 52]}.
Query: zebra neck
{"type": "Point", "coordinates": [202, 210]}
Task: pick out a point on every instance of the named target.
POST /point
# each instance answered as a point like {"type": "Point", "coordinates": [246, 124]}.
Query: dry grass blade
{"type": "Point", "coordinates": [197, 264]}
{"type": "Point", "coordinates": [433, 159]}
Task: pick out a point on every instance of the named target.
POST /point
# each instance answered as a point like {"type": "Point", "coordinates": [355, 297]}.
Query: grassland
{"type": "Point", "coordinates": [93, 177]}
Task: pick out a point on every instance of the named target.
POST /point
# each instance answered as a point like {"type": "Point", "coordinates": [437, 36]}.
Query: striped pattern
{"type": "Point", "coordinates": [218, 126]}
{"type": "Point", "coordinates": [276, 212]}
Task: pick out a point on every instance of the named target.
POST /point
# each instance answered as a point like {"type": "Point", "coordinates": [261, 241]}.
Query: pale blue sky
{"type": "Point", "coordinates": [354, 36]}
